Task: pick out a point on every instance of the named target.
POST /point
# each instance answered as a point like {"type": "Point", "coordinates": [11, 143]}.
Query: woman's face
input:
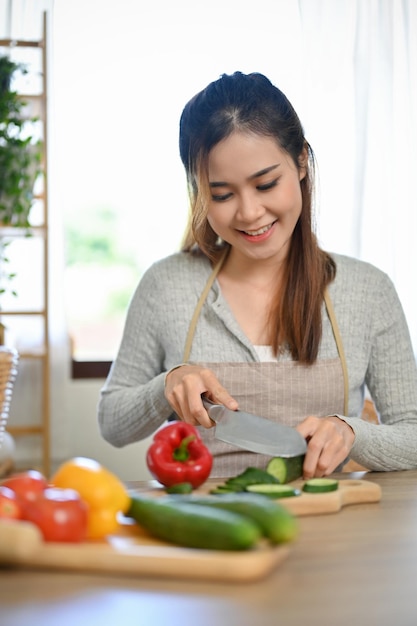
{"type": "Point", "coordinates": [255, 195]}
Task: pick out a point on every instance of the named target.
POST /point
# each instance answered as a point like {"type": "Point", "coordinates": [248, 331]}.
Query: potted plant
{"type": "Point", "coordinates": [20, 164]}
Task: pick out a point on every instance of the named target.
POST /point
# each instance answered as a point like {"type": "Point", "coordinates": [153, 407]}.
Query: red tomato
{"type": "Point", "coordinates": [26, 485]}
{"type": "Point", "coordinates": [9, 504]}
{"type": "Point", "coordinates": [60, 514]}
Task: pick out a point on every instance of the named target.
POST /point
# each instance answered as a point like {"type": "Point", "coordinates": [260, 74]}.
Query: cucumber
{"type": "Point", "coordinates": [276, 522]}
{"type": "Point", "coordinates": [320, 485]}
{"type": "Point", "coordinates": [286, 470]}
{"type": "Point", "coordinates": [250, 476]}
{"type": "Point", "coordinates": [193, 525]}
{"type": "Point", "coordinates": [274, 491]}
{"type": "Point", "coordinates": [180, 488]}
{"type": "Point", "coordinates": [222, 489]}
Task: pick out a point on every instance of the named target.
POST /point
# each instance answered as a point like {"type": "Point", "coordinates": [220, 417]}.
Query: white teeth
{"type": "Point", "coordinates": [260, 231]}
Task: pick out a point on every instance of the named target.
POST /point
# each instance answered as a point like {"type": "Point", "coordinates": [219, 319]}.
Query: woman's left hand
{"type": "Point", "coordinates": [329, 440]}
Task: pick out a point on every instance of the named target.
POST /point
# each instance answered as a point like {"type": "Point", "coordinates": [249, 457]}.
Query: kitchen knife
{"type": "Point", "coordinates": [254, 433]}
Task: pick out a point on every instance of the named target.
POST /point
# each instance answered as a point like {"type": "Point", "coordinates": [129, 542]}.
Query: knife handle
{"type": "Point", "coordinates": [208, 405]}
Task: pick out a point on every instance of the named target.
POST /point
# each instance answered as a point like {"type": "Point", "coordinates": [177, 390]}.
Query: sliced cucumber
{"type": "Point", "coordinates": [180, 488]}
{"type": "Point", "coordinates": [286, 470]}
{"type": "Point", "coordinates": [274, 491]}
{"type": "Point", "coordinates": [320, 485]}
{"type": "Point", "coordinates": [250, 476]}
{"type": "Point", "coordinates": [222, 489]}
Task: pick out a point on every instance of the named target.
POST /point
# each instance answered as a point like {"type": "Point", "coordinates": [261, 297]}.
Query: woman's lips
{"type": "Point", "coordinates": [258, 235]}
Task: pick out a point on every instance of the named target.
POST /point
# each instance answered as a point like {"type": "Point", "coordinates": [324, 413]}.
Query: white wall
{"type": "Point", "coordinates": [85, 440]}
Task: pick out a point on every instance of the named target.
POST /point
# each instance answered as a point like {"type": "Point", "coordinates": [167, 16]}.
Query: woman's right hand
{"type": "Point", "coordinates": [184, 387]}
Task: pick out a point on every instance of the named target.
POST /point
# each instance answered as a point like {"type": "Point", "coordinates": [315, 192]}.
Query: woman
{"type": "Point", "coordinates": [253, 314]}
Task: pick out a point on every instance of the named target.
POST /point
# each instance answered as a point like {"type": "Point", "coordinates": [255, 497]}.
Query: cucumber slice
{"type": "Point", "coordinates": [250, 476]}
{"type": "Point", "coordinates": [180, 488]}
{"type": "Point", "coordinates": [221, 489]}
{"type": "Point", "coordinates": [286, 470]}
{"type": "Point", "coordinates": [274, 491]}
{"type": "Point", "coordinates": [320, 485]}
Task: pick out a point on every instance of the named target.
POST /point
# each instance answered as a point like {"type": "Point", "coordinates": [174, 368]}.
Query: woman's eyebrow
{"type": "Point", "coordinates": [266, 170]}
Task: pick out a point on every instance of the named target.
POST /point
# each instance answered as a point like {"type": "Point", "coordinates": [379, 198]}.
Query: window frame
{"type": "Point", "coordinates": [89, 369]}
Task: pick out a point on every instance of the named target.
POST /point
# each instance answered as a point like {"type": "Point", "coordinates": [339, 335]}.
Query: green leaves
{"type": "Point", "coordinates": [20, 152]}
{"type": "Point", "coordinates": [20, 161]}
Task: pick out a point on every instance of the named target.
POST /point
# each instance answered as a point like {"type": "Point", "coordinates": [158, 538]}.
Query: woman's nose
{"type": "Point", "coordinates": [249, 207]}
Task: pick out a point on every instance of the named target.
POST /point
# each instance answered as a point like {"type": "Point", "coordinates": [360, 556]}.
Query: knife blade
{"type": "Point", "coordinates": [254, 433]}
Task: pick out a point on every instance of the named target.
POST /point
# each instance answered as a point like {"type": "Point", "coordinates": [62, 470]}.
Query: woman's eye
{"type": "Point", "coordinates": [267, 186]}
{"type": "Point", "coordinates": [221, 197]}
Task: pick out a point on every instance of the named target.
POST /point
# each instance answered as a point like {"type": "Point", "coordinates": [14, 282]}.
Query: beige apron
{"type": "Point", "coordinates": [282, 391]}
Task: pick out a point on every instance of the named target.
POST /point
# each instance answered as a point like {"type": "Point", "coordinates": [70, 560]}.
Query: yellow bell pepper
{"type": "Point", "coordinates": [104, 494]}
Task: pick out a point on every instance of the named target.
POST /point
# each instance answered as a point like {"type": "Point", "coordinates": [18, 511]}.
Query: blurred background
{"type": "Point", "coordinates": [118, 75]}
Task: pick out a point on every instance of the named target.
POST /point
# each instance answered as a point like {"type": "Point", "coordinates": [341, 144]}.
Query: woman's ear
{"type": "Point", "coordinates": [303, 163]}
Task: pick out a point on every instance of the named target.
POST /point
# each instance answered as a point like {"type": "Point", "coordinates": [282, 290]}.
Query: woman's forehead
{"type": "Point", "coordinates": [248, 152]}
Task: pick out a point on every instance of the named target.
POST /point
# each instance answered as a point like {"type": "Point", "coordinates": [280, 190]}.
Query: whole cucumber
{"type": "Point", "coordinates": [276, 522]}
{"type": "Point", "coordinates": [192, 525]}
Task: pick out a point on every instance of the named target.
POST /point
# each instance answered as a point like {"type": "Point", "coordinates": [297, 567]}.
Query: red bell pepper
{"type": "Point", "coordinates": [179, 455]}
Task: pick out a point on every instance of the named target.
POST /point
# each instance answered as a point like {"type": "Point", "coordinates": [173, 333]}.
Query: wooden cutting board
{"type": "Point", "coordinates": [132, 551]}
{"type": "Point", "coordinates": [350, 491]}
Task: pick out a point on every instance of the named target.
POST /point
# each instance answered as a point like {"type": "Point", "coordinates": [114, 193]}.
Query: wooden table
{"type": "Point", "coordinates": [357, 567]}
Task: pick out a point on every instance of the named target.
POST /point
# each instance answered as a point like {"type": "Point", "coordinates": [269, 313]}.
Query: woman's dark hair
{"type": "Point", "coordinates": [250, 103]}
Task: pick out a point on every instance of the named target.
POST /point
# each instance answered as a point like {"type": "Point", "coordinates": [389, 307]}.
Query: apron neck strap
{"type": "Point", "coordinates": [340, 349]}
{"type": "Point", "coordinates": [330, 312]}
{"type": "Point", "coordinates": [191, 330]}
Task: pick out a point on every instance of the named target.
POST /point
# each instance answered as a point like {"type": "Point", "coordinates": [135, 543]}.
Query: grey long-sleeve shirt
{"type": "Point", "coordinates": [376, 341]}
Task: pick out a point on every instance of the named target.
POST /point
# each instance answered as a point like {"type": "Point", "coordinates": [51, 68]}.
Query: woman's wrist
{"type": "Point", "coordinates": [171, 370]}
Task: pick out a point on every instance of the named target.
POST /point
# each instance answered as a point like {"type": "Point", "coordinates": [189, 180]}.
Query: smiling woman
{"type": "Point", "coordinates": [255, 210]}
{"type": "Point", "coordinates": [269, 323]}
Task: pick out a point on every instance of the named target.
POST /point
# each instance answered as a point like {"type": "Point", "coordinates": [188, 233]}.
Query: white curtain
{"type": "Point", "coordinates": [360, 78]}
